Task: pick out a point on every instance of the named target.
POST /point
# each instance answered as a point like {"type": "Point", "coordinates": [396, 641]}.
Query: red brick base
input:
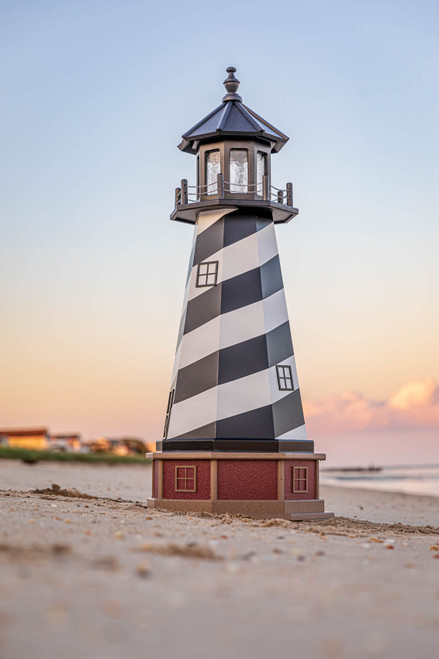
{"type": "Point", "coordinates": [262, 484]}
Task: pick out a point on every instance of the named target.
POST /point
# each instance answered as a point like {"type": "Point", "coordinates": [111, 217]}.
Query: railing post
{"type": "Point", "coordinates": [177, 196]}
{"type": "Point", "coordinates": [266, 187]}
{"type": "Point", "coordinates": [280, 197]}
{"type": "Point", "coordinates": [184, 191]}
{"type": "Point", "coordinates": [220, 185]}
{"type": "Point", "coordinates": [289, 194]}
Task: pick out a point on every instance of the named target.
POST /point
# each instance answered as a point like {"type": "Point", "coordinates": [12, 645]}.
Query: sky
{"type": "Point", "coordinates": [95, 97]}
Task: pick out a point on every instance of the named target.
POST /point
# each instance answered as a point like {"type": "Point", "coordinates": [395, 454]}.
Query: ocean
{"type": "Point", "coordinates": [419, 479]}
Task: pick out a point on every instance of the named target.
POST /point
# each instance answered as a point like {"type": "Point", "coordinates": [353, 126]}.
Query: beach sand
{"type": "Point", "coordinates": [92, 573]}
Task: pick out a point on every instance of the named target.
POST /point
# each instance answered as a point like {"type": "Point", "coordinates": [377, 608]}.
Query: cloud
{"type": "Point", "coordinates": [414, 406]}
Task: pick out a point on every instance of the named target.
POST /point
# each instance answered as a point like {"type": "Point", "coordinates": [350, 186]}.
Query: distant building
{"type": "Point", "coordinates": [117, 445]}
{"type": "Point", "coordinates": [30, 438]}
{"type": "Point", "coordinates": [69, 442]}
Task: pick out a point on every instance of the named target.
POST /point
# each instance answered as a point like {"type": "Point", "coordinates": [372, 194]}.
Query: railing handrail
{"type": "Point", "coordinates": [269, 192]}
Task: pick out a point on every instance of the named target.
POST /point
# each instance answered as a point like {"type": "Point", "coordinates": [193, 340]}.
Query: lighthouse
{"type": "Point", "coordinates": [234, 438]}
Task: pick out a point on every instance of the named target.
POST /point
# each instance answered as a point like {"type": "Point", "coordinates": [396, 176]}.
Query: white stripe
{"type": "Point", "coordinates": [244, 394]}
{"type": "Point", "coordinates": [177, 360]}
{"type": "Point", "coordinates": [297, 433]}
{"type": "Point", "coordinates": [249, 253]}
{"type": "Point", "coordinates": [193, 413]}
{"type": "Point", "coordinates": [267, 243]}
{"type": "Point", "coordinates": [205, 219]}
{"type": "Point", "coordinates": [231, 328]}
{"type": "Point", "coordinates": [223, 401]}
{"type": "Point", "coordinates": [275, 310]}
{"type": "Point", "coordinates": [200, 342]}
{"type": "Point", "coordinates": [240, 257]}
{"type": "Point", "coordinates": [242, 324]}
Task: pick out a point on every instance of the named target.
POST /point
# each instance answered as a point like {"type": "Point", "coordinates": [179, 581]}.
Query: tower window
{"type": "Point", "coordinates": [213, 167]}
{"type": "Point", "coordinates": [300, 479]}
{"type": "Point", "coordinates": [168, 413]}
{"type": "Point", "coordinates": [285, 378]}
{"type": "Point", "coordinates": [186, 479]}
{"type": "Point", "coordinates": [239, 170]}
{"type": "Point", "coordinates": [207, 274]}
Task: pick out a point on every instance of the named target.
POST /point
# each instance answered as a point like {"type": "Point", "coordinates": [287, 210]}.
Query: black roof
{"type": "Point", "coordinates": [232, 119]}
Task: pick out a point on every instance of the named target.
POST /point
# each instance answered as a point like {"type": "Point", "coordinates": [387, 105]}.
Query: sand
{"type": "Point", "coordinates": [90, 572]}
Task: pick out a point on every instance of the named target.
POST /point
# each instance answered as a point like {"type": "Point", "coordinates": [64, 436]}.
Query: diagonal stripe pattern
{"type": "Point", "coordinates": [234, 374]}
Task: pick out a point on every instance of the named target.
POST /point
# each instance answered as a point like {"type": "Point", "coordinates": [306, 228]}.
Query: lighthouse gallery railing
{"type": "Point", "coordinates": [188, 194]}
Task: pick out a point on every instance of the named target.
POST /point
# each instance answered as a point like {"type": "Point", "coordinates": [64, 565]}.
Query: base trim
{"type": "Point", "coordinates": [250, 445]}
{"type": "Point", "coordinates": [308, 517]}
{"type": "Point", "coordinates": [297, 510]}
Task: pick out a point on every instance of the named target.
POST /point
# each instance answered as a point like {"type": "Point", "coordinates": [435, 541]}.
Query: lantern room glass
{"type": "Point", "coordinates": [261, 170]}
{"type": "Point", "coordinates": [213, 168]}
{"type": "Point", "coordinates": [239, 170]}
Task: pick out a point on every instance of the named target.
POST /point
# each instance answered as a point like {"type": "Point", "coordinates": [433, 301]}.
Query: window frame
{"type": "Point", "coordinates": [185, 478]}
{"type": "Point", "coordinates": [244, 187]}
{"type": "Point", "coordinates": [282, 377]}
{"type": "Point", "coordinates": [300, 479]}
{"type": "Point", "coordinates": [260, 183]}
{"type": "Point", "coordinates": [213, 184]}
{"type": "Point", "coordinates": [207, 274]}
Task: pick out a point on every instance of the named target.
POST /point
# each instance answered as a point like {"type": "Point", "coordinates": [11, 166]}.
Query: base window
{"type": "Point", "coordinates": [207, 274]}
{"type": "Point", "coordinates": [300, 479]}
{"type": "Point", "coordinates": [285, 378]}
{"type": "Point", "coordinates": [186, 479]}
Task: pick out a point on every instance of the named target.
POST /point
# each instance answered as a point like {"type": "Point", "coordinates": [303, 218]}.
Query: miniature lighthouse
{"type": "Point", "coordinates": [234, 438]}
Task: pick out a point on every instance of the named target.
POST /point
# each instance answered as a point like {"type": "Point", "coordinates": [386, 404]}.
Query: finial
{"type": "Point", "coordinates": [231, 84]}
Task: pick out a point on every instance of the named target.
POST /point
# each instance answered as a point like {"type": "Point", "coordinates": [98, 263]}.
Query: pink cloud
{"type": "Point", "coordinates": [414, 406]}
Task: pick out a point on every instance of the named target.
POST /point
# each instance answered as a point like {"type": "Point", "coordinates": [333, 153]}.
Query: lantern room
{"type": "Point", "coordinates": [233, 147]}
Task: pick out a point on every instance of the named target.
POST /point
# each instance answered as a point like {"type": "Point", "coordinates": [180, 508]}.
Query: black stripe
{"type": "Point", "coordinates": [235, 362]}
{"type": "Point", "coordinates": [203, 308]}
{"type": "Point", "coordinates": [205, 432]}
{"type": "Point", "coordinates": [181, 327]}
{"type": "Point", "coordinates": [279, 344]}
{"type": "Point", "coordinates": [241, 290]}
{"type": "Point", "coordinates": [288, 413]}
{"type": "Point", "coordinates": [197, 377]}
{"type": "Point", "coordinates": [242, 359]}
{"type": "Point", "coordinates": [271, 277]}
{"type": "Point", "coordinates": [235, 293]}
{"type": "Point", "coordinates": [191, 261]}
{"type": "Point", "coordinates": [237, 227]}
{"type": "Point", "coordinates": [256, 424]}
{"type": "Point", "coordinates": [209, 241]}
{"type": "Point", "coordinates": [265, 422]}
{"type": "Point", "coordinates": [261, 224]}
{"type": "Point", "coordinates": [224, 232]}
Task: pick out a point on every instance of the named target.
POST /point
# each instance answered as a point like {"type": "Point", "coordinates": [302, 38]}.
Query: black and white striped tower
{"type": "Point", "coordinates": [234, 437]}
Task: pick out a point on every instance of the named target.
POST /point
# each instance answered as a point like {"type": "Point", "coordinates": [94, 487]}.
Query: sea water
{"type": "Point", "coordinates": [423, 479]}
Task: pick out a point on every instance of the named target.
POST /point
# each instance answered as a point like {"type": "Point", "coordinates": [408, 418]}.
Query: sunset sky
{"type": "Point", "coordinates": [95, 97]}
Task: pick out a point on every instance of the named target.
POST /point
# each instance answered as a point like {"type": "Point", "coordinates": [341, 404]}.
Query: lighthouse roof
{"type": "Point", "coordinates": [232, 119]}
